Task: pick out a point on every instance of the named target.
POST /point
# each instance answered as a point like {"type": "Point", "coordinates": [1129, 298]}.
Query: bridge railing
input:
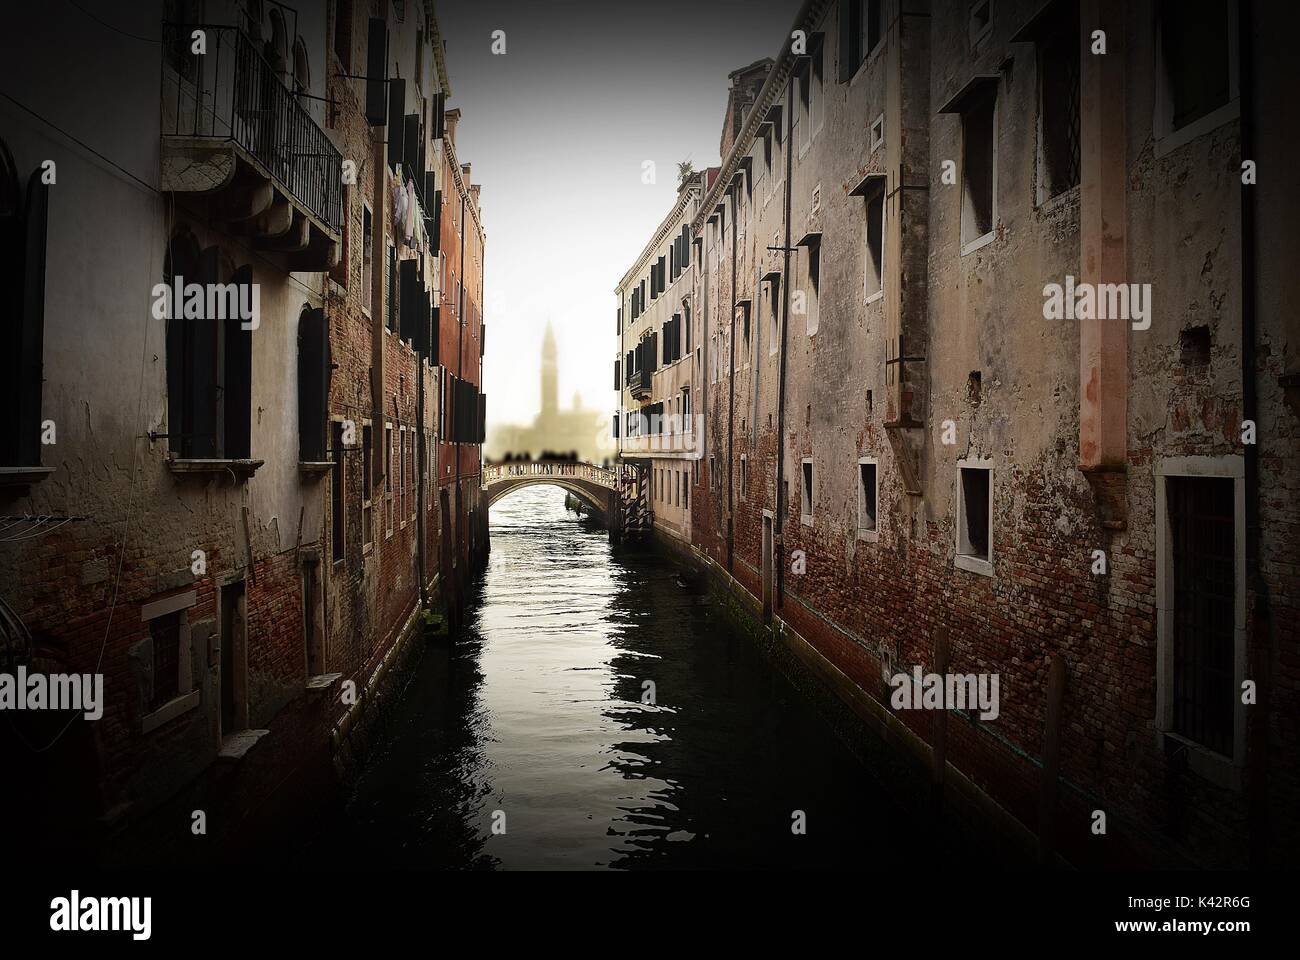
{"type": "Point", "coordinates": [566, 469]}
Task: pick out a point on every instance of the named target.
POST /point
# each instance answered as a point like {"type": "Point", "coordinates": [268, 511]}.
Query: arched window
{"type": "Point", "coordinates": [23, 219]}
{"type": "Point", "coordinates": [301, 68]}
{"type": "Point", "coordinates": [277, 48]}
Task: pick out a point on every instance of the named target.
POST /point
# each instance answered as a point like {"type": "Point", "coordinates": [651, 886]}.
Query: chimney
{"type": "Point", "coordinates": [451, 118]}
{"type": "Point", "coordinates": [464, 172]}
{"type": "Point", "coordinates": [473, 190]}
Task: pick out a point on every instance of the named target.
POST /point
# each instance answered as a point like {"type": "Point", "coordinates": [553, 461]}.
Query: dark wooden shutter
{"type": "Point", "coordinates": [435, 335]}
{"type": "Point", "coordinates": [482, 417]}
{"type": "Point", "coordinates": [314, 370]}
{"type": "Point", "coordinates": [376, 72]}
{"type": "Point", "coordinates": [409, 294]}
{"type": "Point", "coordinates": [411, 146]}
{"type": "Point", "coordinates": [850, 27]}
{"type": "Point", "coordinates": [617, 382]}
{"type": "Point", "coordinates": [32, 334]}
{"type": "Point", "coordinates": [237, 389]}
{"type": "Point", "coordinates": [439, 110]}
{"type": "Point", "coordinates": [203, 370]}
{"type": "Point", "coordinates": [396, 121]}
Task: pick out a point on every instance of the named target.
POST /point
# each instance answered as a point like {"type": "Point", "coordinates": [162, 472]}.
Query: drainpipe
{"type": "Point", "coordinates": [1257, 587]}
{"type": "Point", "coordinates": [778, 547]}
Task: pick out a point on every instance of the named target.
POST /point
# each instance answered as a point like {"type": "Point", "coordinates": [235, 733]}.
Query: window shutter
{"type": "Point", "coordinates": [313, 384]}
{"type": "Point", "coordinates": [408, 298]}
{"type": "Point", "coordinates": [236, 394]}
{"type": "Point", "coordinates": [202, 393]}
{"type": "Point", "coordinates": [850, 12]}
{"type": "Point", "coordinates": [617, 383]}
{"type": "Point", "coordinates": [435, 335]}
{"type": "Point", "coordinates": [411, 145]}
{"type": "Point", "coordinates": [376, 72]}
{"type": "Point", "coordinates": [439, 108]}
{"type": "Point", "coordinates": [396, 121]}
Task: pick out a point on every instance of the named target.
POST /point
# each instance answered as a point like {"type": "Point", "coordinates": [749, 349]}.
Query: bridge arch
{"type": "Point", "coordinates": [595, 486]}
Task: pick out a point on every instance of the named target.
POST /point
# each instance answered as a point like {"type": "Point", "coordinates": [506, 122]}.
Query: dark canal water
{"type": "Point", "coordinates": [534, 720]}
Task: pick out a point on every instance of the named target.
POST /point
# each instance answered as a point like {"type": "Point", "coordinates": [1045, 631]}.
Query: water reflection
{"type": "Point", "coordinates": [537, 720]}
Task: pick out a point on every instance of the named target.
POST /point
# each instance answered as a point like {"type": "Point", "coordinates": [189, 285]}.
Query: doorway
{"type": "Point", "coordinates": [234, 658]}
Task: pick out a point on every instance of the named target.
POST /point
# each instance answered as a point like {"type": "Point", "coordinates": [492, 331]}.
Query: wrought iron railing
{"type": "Point", "coordinates": [232, 92]}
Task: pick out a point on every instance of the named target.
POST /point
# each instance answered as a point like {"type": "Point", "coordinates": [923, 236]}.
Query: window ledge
{"type": "Point", "coordinates": [23, 476]}
{"type": "Point", "coordinates": [1214, 767]}
{"type": "Point", "coordinates": [169, 711]}
{"type": "Point", "coordinates": [314, 469]}
{"type": "Point", "coordinates": [974, 564]}
{"type": "Point", "coordinates": [870, 536]}
{"type": "Point", "coordinates": [980, 241]}
{"type": "Point", "coordinates": [322, 682]}
{"type": "Point", "coordinates": [240, 469]}
{"type": "Point", "coordinates": [236, 745]}
{"type": "Point", "coordinates": [806, 520]}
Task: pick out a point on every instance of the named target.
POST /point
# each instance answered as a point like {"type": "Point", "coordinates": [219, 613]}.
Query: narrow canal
{"type": "Point", "coordinates": [528, 743]}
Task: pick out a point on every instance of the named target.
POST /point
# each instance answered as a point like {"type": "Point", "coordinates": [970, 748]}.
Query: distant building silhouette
{"type": "Point", "coordinates": [577, 430]}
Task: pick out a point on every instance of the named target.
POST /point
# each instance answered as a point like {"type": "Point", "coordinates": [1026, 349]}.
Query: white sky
{"type": "Point", "coordinates": [556, 131]}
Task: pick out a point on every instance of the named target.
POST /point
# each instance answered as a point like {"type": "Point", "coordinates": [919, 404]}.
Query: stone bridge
{"type": "Point", "coordinates": [595, 486]}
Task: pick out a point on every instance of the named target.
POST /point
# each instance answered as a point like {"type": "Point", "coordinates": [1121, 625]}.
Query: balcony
{"type": "Point", "coordinates": [235, 136]}
{"type": "Point", "coordinates": [638, 384]}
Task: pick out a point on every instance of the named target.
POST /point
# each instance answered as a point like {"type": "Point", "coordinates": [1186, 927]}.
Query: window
{"type": "Point", "coordinates": [388, 477]}
{"type": "Point", "coordinates": [809, 81]}
{"type": "Point", "coordinates": [165, 631]}
{"type": "Point", "coordinates": [209, 359]}
{"type": "Point", "coordinates": [367, 252]}
{"type": "Point", "coordinates": [336, 490]}
{"type": "Point", "coordinates": [744, 476]}
{"type": "Point", "coordinates": [874, 268]}
{"type": "Point", "coordinates": [1058, 106]}
{"type": "Point", "coordinates": [877, 133]}
{"type": "Point", "coordinates": [1200, 611]}
{"type": "Point", "coordinates": [410, 468]}
{"type": "Point", "coordinates": [1196, 69]}
{"type": "Point", "coordinates": [23, 217]}
{"type": "Point", "coordinates": [808, 293]}
{"type": "Point", "coordinates": [367, 481]}
{"type": "Point", "coordinates": [343, 32]}
{"type": "Point", "coordinates": [979, 178]}
{"type": "Point", "coordinates": [772, 304]}
{"type": "Point", "coordinates": [166, 676]}
{"type": "Point", "coordinates": [974, 506]}
{"type": "Point", "coordinates": [806, 492]}
{"type": "Point", "coordinates": [686, 493]}
{"type": "Point", "coordinates": [868, 497]}
{"type": "Point", "coordinates": [981, 21]}
{"type": "Point", "coordinates": [401, 475]}
{"type": "Point", "coordinates": [314, 371]}
{"type": "Point", "coordinates": [861, 28]}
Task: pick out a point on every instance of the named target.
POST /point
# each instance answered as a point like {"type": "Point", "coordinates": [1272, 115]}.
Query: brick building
{"type": "Point", "coordinates": [230, 515]}
{"type": "Point", "coordinates": [900, 444]}
{"type": "Point", "coordinates": [656, 368]}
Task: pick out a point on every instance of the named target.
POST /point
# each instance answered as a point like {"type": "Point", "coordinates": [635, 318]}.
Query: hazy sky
{"type": "Point", "coordinates": [557, 130]}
